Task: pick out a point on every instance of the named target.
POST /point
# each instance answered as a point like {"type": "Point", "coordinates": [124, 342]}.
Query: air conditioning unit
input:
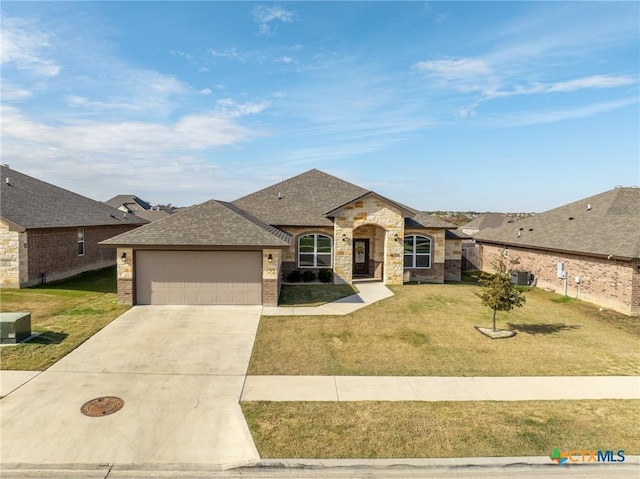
{"type": "Point", "coordinates": [520, 278]}
{"type": "Point", "coordinates": [14, 327]}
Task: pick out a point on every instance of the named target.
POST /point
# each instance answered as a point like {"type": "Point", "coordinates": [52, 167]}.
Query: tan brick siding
{"type": "Point", "coordinates": [610, 283]}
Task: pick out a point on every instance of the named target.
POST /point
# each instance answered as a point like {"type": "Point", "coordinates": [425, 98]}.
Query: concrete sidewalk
{"type": "Point", "coordinates": [380, 388]}
{"type": "Point", "coordinates": [368, 292]}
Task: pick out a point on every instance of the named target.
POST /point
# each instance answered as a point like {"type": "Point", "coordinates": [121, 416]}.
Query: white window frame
{"type": "Point", "coordinates": [413, 254]}
{"type": "Point", "coordinates": [315, 252]}
{"type": "Point", "coordinates": [81, 242]}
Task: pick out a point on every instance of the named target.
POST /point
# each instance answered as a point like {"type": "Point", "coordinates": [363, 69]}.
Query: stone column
{"type": "Point", "coordinates": [271, 276]}
{"type": "Point", "coordinates": [124, 267]}
{"type": "Point", "coordinates": [342, 251]}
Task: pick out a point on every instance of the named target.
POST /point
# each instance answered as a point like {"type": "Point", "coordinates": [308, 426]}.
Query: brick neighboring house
{"type": "Point", "coordinates": [239, 252]}
{"type": "Point", "coordinates": [50, 233]}
{"type": "Point", "coordinates": [589, 249]}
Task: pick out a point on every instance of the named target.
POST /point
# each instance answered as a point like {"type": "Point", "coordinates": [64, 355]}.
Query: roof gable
{"type": "Point", "coordinates": [604, 224]}
{"type": "Point", "coordinates": [213, 223]}
{"type": "Point", "coordinates": [302, 200]}
{"type": "Point", "coordinates": [31, 203]}
{"type": "Point", "coordinates": [404, 210]}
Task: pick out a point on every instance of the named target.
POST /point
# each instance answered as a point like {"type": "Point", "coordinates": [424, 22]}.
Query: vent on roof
{"type": "Point", "coordinates": [279, 195]}
{"type": "Point", "coordinates": [7, 181]}
{"type": "Point", "coordinates": [570, 218]}
{"type": "Point", "coordinates": [589, 207]}
{"type": "Point", "coordinates": [519, 233]}
{"type": "Point", "coordinates": [530, 229]}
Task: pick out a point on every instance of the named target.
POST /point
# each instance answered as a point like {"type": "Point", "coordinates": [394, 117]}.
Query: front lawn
{"type": "Point", "coordinates": [427, 330]}
{"type": "Point", "coordinates": [66, 312]}
{"type": "Point", "coordinates": [441, 429]}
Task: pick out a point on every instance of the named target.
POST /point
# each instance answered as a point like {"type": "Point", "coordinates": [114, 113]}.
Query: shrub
{"type": "Point", "coordinates": [294, 277]}
{"type": "Point", "coordinates": [308, 276]}
{"type": "Point", "coordinates": [324, 275]}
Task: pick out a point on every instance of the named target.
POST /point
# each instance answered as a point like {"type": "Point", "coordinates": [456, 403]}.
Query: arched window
{"type": "Point", "coordinates": [417, 251]}
{"type": "Point", "coordinates": [314, 251]}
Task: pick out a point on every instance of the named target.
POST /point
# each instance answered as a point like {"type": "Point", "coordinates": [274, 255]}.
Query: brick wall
{"type": "Point", "coordinates": [54, 251]}
{"type": "Point", "coordinates": [610, 283]}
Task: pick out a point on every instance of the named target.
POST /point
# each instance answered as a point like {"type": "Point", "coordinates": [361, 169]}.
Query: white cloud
{"type": "Point", "coordinates": [230, 109]}
{"type": "Point", "coordinates": [206, 91]}
{"type": "Point", "coordinates": [543, 117]}
{"type": "Point", "coordinates": [285, 59]}
{"type": "Point", "coordinates": [128, 139]}
{"type": "Point", "coordinates": [11, 92]}
{"type": "Point", "coordinates": [455, 68]}
{"type": "Point", "coordinates": [264, 16]}
{"type": "Point", "coordinates": [596, 81]}
{"type": "Point", "coordinates": [230, 53]}
{"type": "Point", "coordinates": [25, 46]}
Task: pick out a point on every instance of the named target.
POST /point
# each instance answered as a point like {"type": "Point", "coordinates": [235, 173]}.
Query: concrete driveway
{"type": "Point", "coordinates": [180, 371]}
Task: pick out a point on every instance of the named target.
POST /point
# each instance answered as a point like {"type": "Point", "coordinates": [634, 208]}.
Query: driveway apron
{"type": "Point", "coordinates": [180, 372]}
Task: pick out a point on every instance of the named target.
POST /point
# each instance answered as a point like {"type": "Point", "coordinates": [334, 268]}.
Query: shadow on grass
{"type": "Point", "coordinates": [100, 281]}
{"type": "Point", "coordinates": [50, 337]}
{"type": "Point", "coordinates": [542, 328]}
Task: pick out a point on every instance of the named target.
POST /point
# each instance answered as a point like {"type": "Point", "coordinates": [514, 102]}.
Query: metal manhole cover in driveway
{"type": "Point", "coordinates": [102, 406]}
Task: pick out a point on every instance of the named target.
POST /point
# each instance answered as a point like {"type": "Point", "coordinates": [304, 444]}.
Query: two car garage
{"type": "Point", "coordinates": [198, 277]}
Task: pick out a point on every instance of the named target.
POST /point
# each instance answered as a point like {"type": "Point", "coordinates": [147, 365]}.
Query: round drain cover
{"type": "Point", "coordinates": [102, 406]}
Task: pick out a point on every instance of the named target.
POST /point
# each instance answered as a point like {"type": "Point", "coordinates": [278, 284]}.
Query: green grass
{"type": "Point", "coordinates": [66, 312]}
{"type": "Point", "coordinates": [313, 294]}
{"type": "Point", "coordinates": [440, 429]}
{"type": "Point", "coordinates": [428, 330]}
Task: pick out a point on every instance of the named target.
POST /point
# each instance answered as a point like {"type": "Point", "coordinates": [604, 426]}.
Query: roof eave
{"type": "Point", "coordinates": [13, 226]}
{"type": "Point", "coordinates": [556, 250]}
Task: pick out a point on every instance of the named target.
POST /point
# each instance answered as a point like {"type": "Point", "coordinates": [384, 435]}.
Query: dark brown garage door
{"type": "Point", "coordinates": [198, 277]}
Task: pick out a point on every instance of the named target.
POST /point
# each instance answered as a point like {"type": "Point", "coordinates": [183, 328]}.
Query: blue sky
{"type": "Point", "coordinates": [486, 106]}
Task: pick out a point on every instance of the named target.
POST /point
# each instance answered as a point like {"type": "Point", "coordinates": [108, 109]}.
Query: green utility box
{"type": "Point", "coordinates": [14, 327]}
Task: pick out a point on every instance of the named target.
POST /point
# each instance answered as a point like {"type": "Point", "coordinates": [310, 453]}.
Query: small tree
{"type": "Point", "coordinates": [499, 293]}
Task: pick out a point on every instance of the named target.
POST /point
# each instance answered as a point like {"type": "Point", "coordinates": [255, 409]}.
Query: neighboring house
{"type": "Point", "coordinates": [487, 220]}
{"type": "Point", "coordinates": [129, 204]}
{"type": "Point", "coordinates": [154, 214]}
{"type": "Point", "coordinates": [589, 249]}
{"type": "Point", "coordinates": [238, 253]}
{"type": "Point", "coordinates": [48, 233]}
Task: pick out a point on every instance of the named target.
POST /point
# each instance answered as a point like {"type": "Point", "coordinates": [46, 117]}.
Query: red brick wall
{"type": "Point", "coordinates": [55, 250]}
{"type": "Point", "coordinates": [611, 283]}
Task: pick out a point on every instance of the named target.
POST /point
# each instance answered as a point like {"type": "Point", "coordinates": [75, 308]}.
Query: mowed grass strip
{"type": "Point", "coordinates": [428, 330]}
{"type": "Point", "coordinates": [440, 429]}
{"type": "Point", "coordinates": [66, 312]}
{"type": "Point", "coordinates": [313, 294]}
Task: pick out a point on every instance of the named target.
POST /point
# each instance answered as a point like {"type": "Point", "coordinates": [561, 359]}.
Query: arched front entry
{"type": "Point", "coordinates": [368, 251]}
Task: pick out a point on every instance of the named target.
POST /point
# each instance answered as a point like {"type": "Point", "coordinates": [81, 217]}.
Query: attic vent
{"type": "Point", "coordinates": [530, 229]}
{"type": "Point", "coordinates": [589, 207]}
{"type": "Point", "coordinates": [7, 181]}
{"type": "Point", "coordinates": [570, 218]}
{"type": "Point", "coordinates": [279, 196]}
{"type": "Point", "coordinates": [519, 233]}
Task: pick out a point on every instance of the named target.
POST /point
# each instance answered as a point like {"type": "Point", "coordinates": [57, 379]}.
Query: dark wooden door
{"type": "Point", "coordinates": [360, 256]}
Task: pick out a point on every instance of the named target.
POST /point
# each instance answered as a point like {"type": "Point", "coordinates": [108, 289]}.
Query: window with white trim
{"type": "Point", "coordinates": [80, 241]}
{"type": "Point", "coordinates": [314, 251]}
{"type": "Point", "coordinates": [417, 251]}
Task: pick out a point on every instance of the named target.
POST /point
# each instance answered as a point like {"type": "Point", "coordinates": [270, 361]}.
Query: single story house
{"type": "Point", "coordinates": [49, 233]}
{"type": "Point", "coordinates": [239, 252]}
{"type": "Point", "coordinates": [589, 249]}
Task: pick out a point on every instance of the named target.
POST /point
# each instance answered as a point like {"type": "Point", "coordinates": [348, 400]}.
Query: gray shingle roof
{"type": "Point", "coordinates": [153, 215]}
{"type": "Point", "coordinates": [489, 220]}
{"type": "Point", "coordinates": [213, 223]}
{"type": "Point", "coordinates": [31, 203]}
{"type": "Point", "coordinates": [302, 200]}
{"type": "Point", "coordinates": [427, 221]}
{"type": "Point", "coordinates": [604, 224]}
{"type": "Point", "coordinates": [129, 201]}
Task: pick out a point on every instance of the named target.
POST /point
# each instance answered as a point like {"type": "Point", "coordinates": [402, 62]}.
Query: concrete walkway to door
{"type": "Point", "coordinates": [180, 371]}
{"type": "Point", "coordinates": [368, 292]}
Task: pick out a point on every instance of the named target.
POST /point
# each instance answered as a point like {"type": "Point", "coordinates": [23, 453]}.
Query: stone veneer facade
{"type": "Point", "coordinates": [370, 211]}
{"type": "Point", "coordinates": [52, 252]}
{"type": "Point", "coordinates": [611, 283]}
{"type": "Point", "coordinates": [453, 259]}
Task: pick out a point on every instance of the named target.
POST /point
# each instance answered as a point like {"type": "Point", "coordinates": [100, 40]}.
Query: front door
{"type": "Point", "coordinates": [361, 256]}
